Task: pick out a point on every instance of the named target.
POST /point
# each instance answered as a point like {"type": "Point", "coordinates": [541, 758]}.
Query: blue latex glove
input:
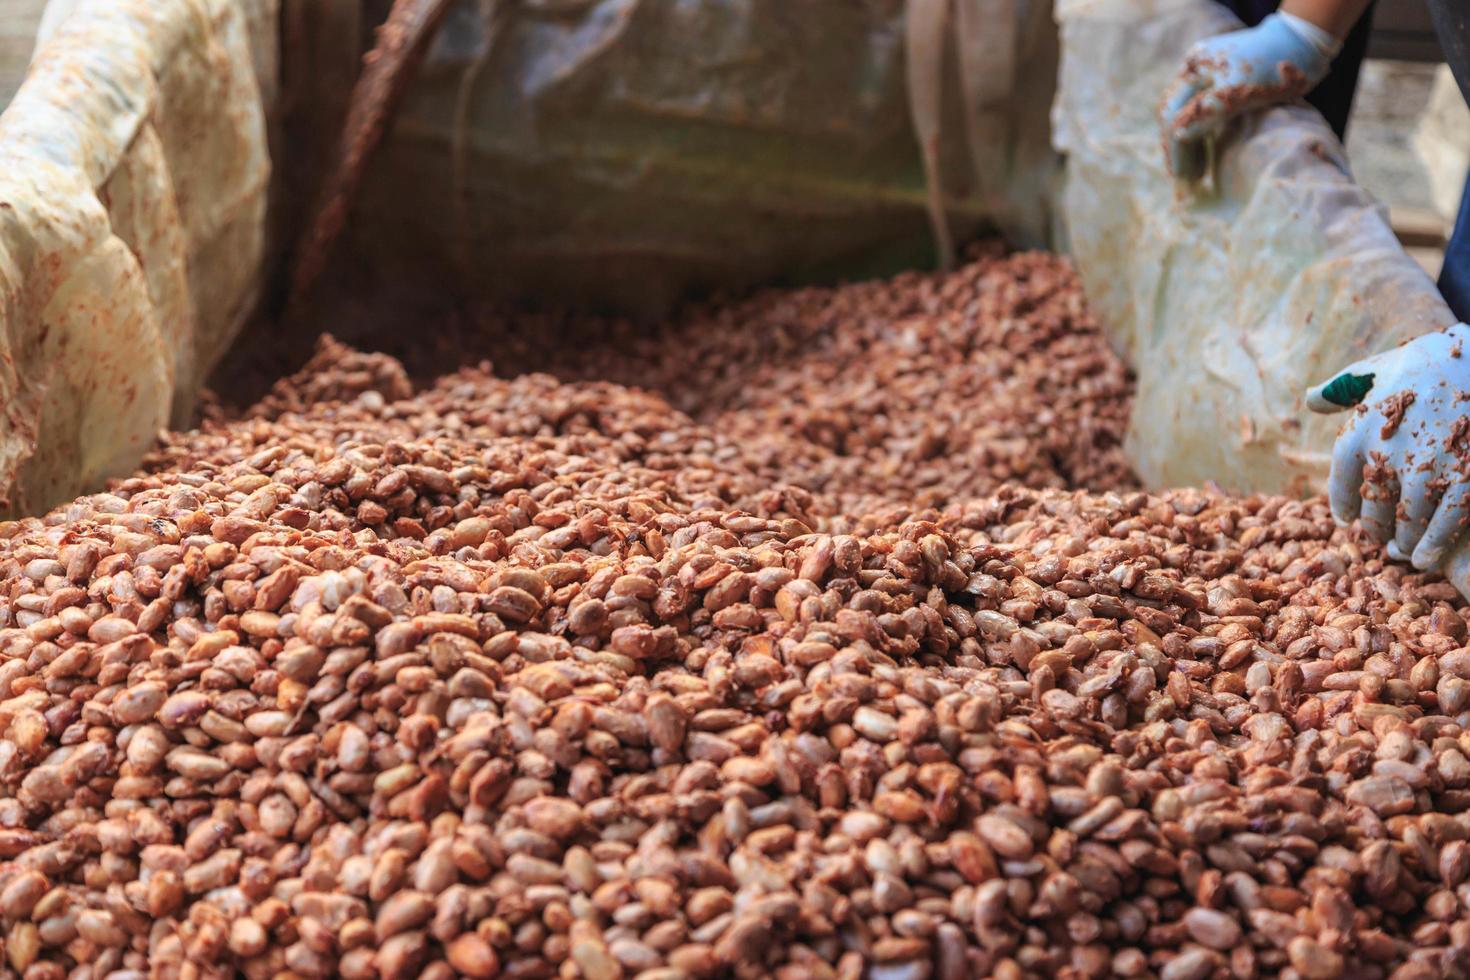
{"type": "Point", "coordinates": [1280, 59]}
{"type": "Point", "coordinates": [1402, 462]}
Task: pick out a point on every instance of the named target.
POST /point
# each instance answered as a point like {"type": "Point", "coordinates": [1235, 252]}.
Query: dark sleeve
{"type": "Point", "coordinates": [1334, 96]}
{"type": "Point", "coordinates": [1252, 12]}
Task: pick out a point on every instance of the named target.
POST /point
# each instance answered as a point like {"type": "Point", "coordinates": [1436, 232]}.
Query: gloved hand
{"type": "Point", "coordinates": [1403, 460]}
{"type": "Point", "coordinates": [1280, 59]}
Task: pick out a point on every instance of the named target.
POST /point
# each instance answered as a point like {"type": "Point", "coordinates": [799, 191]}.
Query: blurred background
{"type": "Point", "coordinates": [1409, 139]}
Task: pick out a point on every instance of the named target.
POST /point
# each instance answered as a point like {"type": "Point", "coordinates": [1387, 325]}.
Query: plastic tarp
{"type": "Point", "coordinates": [626, 154]}
{"type": "Point", "coordinates": [134, 175]}
{"type": "Point", "coordinates": [1228, 300]}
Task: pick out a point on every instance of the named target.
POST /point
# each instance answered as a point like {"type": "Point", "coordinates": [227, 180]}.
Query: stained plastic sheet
{"type": "Point", "coordinates": [133, 193]}
{"type": "Point", "coordinates": [1229, 301]}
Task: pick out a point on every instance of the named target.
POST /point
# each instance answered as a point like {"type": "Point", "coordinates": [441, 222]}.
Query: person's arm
{"type": "Point", "coordinates": [1280, 59]}
{"type": "Point", "coordinates": [1336, 17]}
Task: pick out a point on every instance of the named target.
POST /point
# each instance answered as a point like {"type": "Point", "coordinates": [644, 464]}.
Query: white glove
{"type": "Point", "coordinates": [1280, 59]}
{"type": "Point", "coordinates": [1403, 460]}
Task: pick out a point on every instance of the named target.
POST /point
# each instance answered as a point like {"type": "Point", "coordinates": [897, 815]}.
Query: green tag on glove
{"type": "Point", "coordinates": [1347, 390]}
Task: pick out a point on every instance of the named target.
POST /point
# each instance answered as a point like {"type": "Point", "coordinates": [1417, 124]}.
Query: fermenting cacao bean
{"type": "Point", "coordinates": [842, 646]}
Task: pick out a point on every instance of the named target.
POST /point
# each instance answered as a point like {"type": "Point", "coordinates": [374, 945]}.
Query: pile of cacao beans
{"type": "Point", "coordinates": [819, 634]}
